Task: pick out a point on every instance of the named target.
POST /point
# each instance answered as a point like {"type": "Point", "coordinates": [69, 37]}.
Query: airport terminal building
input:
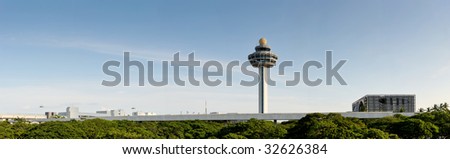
{"type": "Point", "coordinates": [385, 103]}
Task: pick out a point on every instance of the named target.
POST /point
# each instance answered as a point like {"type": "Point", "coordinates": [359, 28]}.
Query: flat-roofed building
{"type": "Point", "coordinates": [385, 103]}
{"type": "Point", "coordinates": [143, 113]}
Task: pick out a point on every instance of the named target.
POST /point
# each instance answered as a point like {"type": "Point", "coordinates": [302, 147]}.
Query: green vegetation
{"type": "Point", "coordinates": [433, 122]}
{"type": "Point", "coordinates": [333, 126]}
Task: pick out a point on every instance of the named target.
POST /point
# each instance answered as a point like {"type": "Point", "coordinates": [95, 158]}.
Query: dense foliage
{"type": "Point", "coordinates": [433, 122]}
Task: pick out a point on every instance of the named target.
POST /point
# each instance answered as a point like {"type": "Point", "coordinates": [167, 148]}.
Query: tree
{"type": "Point", "coordinates": [173, 129]}
{"type": "Point", "coordinates": [97, 128]}
{"type": "Point", "coordinates": [58, 117]}
{"type": "Point", "coordinates": [122, 134]}
{"type": "Point", "coordinates": [203, 129]}
{"type": "Point", "coordinates": [6, 131]}
{"type": "Point", "coordinates": [20, 127]}
{"type": "Point", "coordinates": [55, 130]}
{"type": "Point", "coordinates": [233, 136]}
{"type": "Point", "coordinates": [383, 124]}
{"type": "Point", "coordinates": [373, 133]}
{"type": "Point", "coordinates": [253, 129]}
{"type": "Point", "coordinates": [414, 129]}
{"type": "Point", "coordinates": [444, 107]}
{"type": "Point", "coordinates": [402, 109]}
{"type": "Point", "coordinates": [332, 126]}
{"type": "Point", "coordinates": [422, 110]}
{"type": "Point", "coordinates": [439, 117]}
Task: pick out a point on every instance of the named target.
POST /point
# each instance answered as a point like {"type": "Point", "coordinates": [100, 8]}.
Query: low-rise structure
{"type": "Point", "coordinates": [385, 103]}
{"type": "Point", "coordinates": [143, 113]}
{"type": "Point", "coordinates": [22, 116]}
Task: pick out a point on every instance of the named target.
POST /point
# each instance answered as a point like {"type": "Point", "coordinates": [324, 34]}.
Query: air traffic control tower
{"type": "Point", "coordinates": [263, 59]}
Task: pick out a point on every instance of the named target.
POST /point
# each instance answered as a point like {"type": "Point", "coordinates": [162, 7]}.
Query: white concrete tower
{"type": "Point", "coordinates": [263, 59]}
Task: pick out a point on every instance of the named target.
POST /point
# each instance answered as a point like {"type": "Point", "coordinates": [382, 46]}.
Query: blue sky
{"type": "Point", "coordinates": [52, 52]}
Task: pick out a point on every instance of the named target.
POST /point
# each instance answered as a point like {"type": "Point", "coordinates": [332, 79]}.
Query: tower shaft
{"type": "Point", "coordinates": [263, 98]}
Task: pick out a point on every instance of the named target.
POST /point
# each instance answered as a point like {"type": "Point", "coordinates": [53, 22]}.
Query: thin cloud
{"type": "Point", "coordinates": [444, 70]}
{"type": "Point", "coordinates": [91, 45]}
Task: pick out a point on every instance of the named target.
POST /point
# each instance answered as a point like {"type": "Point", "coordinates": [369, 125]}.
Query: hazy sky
{"type": "Point", "coordinates": [52, 52]}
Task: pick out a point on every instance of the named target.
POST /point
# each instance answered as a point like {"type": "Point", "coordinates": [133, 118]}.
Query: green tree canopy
{"type": "Point", "coordinates": [332, 126]}
{"type": "Point", "coordinates": [253, 129]}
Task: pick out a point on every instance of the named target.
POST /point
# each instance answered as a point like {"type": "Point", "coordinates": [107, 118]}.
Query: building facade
{"type": "Point", "coordinates": [118, 112]}
{"type": "Point", "coordinates": [50, 114]}
{"type": "Point", "coordinates": [385, 103]}
{"type": "Point", "coordinates": [72, 112]}
{"type": "Point", "coordinates": [143, 113]}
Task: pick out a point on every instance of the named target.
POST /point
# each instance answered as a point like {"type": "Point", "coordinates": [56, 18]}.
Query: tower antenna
{"type": "Point", "coordinates": [206, 107]}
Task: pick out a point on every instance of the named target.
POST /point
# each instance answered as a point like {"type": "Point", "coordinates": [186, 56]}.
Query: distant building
{"type": "Point", "coordinates": [143, 113]}
{"type": "Point", "coordinates": [50, 114]}
{"type": "Point", "coordinates": [64, 114]}
{"type": "Point", "coordinates": [72, 113]}
{"type": "Point", "coordinates": [21, 116]}
{"type": "Point", "coordinates": [385, 103]}
{"type": "Point", "coordinates": [106, 112]}
{"type": "Point", "coordinates": [118, 112]}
